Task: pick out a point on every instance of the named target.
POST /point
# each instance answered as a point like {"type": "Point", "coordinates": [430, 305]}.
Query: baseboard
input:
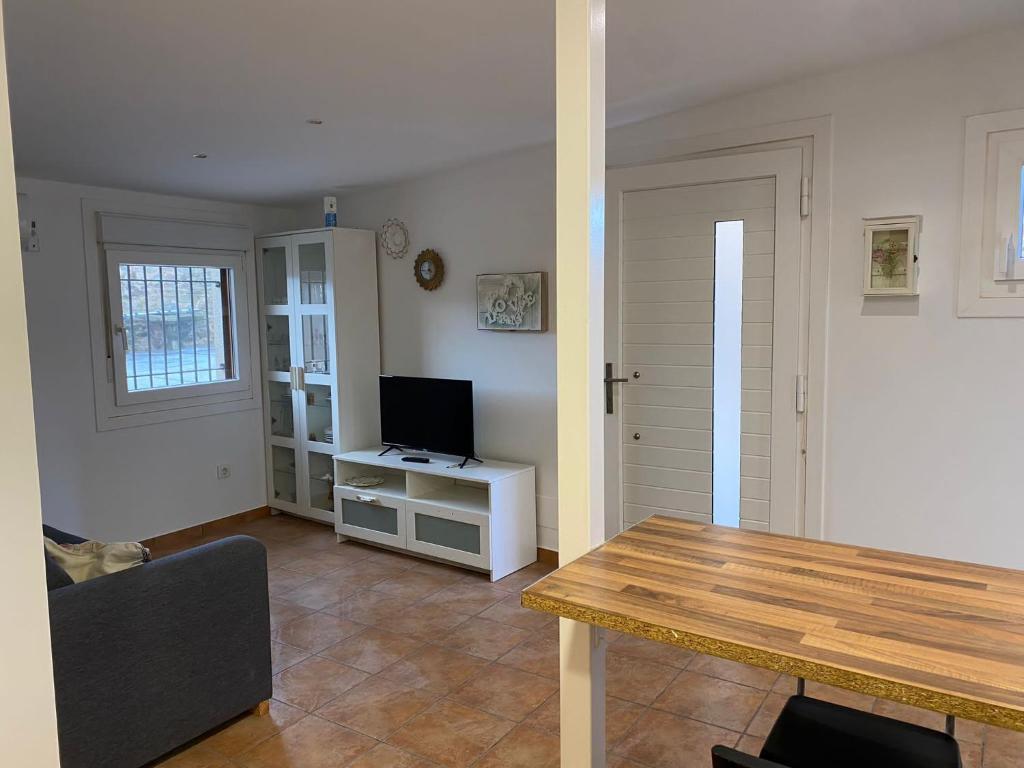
{"type": "Point", "coordinates": [188, 536]}
{"type": "Point", "coordinates": [547, 556]}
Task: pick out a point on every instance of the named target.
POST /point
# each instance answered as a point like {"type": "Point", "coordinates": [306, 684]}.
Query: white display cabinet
{"type": "Point", "coordinates": [483, 516]}
{"type": "Point", "coordinates": [321, 360]}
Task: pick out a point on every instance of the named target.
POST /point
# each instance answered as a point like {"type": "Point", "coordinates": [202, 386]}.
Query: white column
{"type": "Point", "coordinates": [580, 108]}
{"type": "Point", "coordinates": [28, 735]}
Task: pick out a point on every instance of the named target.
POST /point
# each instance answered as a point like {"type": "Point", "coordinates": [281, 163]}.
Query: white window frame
{"type": "Point", "coordinates": [116, 255]}
{"type": "Point", "coordinates": [993, 156]}
{"type": "Point", "coordinates": [113, 224]}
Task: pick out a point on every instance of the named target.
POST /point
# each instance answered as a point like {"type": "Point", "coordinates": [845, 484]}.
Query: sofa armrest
{"type": "Point", "coordinates": [60, 536]}
{"type": "Point", "coordinates": [727, 757]}
{"type": "Point", "coordinates": [151, 657]}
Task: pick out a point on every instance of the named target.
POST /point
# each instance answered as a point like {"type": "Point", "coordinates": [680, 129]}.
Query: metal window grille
{"type": "Point", "coordinates": [177, 325]}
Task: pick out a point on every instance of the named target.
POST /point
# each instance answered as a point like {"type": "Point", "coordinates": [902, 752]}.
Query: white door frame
{"type": "Point", "coordinates": [785, 165]}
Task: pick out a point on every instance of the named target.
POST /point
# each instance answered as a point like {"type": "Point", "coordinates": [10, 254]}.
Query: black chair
{"type": "Point", "coordinates": [818, 734]}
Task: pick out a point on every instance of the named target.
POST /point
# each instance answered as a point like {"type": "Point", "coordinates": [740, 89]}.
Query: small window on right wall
{"type": "Point", "coordinates": [991, 279]}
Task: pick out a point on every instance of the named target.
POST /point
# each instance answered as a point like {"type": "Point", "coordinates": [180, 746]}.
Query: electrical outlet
{"type": "Point", "coordinates": [223, 471]}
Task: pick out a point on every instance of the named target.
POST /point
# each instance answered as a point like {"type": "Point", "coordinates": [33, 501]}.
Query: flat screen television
{"type": "Point", "coordinates": [427, 414]}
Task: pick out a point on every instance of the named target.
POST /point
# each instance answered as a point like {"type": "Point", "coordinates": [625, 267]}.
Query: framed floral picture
{"type": "Point", "coordinates": [515, 301]}
{"type": "Point", "coordinates": [890, 255]}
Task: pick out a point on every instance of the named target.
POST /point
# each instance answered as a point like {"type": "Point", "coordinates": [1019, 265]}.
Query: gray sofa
{"type": "Point", "coordinates": [147, 659]}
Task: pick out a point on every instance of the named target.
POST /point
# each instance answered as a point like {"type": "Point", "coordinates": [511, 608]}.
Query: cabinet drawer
{"type": "Point", "coordinates": [369, 516]}
{"type": "Point", "coordinates": [451, 534]}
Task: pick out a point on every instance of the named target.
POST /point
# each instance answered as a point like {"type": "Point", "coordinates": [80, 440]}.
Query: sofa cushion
{"type": "Point", "coordinates": [94, 558]}
{"type": "Point", "coordinates": [56, 577]}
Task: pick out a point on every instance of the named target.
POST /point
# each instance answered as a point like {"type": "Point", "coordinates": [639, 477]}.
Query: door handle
{"type": "Point", "coordinates": [120, 331]}
{"type": "Point", "coordinates": [366, 499]}
{"type": "Point", "coordinates": [609, 380]}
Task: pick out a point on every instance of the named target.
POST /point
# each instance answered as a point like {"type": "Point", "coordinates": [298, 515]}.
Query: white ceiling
{"type": "Point", "coordinates": [122, 92]}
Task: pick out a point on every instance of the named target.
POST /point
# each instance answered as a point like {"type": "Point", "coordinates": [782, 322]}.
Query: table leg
{"type": "Point", "coordinates": [582, 664]}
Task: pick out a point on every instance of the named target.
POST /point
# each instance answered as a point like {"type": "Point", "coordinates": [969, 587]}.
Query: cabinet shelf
{"type": "Point", "coordinates": [462, 497]}
{"type": "Point", "coordinates": [393, 486]}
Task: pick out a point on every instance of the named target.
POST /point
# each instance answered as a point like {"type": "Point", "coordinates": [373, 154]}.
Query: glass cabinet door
{"type": "Point", "coordinates": [295, 273]}
{"type": "Point", "coordinates": [320, 480]}
{"type": "Point", "coordinates": [316, 344]}
{"type": "Point", "coordinates": [280, 405]}
{"type": "Point", "coordinates": [274, 272]}
{"type": "Point", "coordinates": [284, 476]}
{"type": "Point", "coordinates": [278, 343]}
{"type": "Point", "coordinates": [319, 413]}
{"type": "Point", "coordinates": [312, 273]}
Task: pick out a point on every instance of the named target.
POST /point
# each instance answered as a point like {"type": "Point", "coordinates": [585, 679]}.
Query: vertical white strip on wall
{"type": "Point", "coordinates": [1020, 217]}
{"type": "Point", "coordinates": [579, 248]}
{"type": "Point", "coordinates": [725, 441]}
{"type": "Point", "coordinates": [28, 736]}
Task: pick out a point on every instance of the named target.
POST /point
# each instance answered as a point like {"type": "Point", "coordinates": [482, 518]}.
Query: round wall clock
{"type": "Point", "coordinates": [429, 269]}
{"type": "Point", "coordinates": [394, 238]}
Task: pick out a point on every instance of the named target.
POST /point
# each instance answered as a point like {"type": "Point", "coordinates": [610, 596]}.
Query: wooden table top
{"type": "Point", "coordinates": [938, 634]}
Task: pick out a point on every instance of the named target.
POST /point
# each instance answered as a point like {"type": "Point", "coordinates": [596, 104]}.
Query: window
{"type": "Point", "coordinates": [181, 285]}
{"type": "Point", "coordinates": [991, 280]}
{"type": "Point", "coordinates": [173, 324]}
{"type": "Point", "coordinates": [727, 364]}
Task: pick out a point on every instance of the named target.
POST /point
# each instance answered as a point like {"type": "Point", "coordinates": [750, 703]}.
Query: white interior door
{"type": "Point", "coordinates": [703, 315]}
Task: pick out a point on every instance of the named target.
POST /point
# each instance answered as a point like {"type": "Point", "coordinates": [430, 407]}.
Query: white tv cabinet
{"type": "Point", "coordinates": [483, 516]}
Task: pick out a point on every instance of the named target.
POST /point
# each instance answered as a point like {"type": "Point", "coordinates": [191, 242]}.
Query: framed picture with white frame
{"type": "Point", "coordinates": [890, 255]}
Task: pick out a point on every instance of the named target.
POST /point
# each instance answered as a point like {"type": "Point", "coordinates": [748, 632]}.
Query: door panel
{"type": "Point", "coordinates": [661, 318]}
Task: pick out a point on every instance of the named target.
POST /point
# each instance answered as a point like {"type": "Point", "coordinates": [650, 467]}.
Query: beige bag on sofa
{"type": "Point", "coordinates": [94, 558]}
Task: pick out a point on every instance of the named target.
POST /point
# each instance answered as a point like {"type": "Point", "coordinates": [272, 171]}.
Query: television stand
{"type": "Point", "coordinates": [482, 517]}
{"type": "Point", "coordinates": [388, 449]}
{"type": "Point", "coordinates": [469, 459]}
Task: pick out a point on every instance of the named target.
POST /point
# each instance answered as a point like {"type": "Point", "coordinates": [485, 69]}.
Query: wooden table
{"type": "Point", "coordinates": [937, 634]}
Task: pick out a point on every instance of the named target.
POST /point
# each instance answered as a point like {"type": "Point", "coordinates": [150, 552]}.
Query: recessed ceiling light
{"type": "Point", "coordinates": [315, 121]}
{"type": "Point", "coordinates": [200, 155]}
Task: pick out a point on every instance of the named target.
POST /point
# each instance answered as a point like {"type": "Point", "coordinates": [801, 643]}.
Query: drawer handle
{"type": "Point", "coordinates": [366, 499]}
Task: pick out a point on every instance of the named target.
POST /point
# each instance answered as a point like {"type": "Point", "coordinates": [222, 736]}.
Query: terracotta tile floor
{"type": "Point", "coordinates": [387, 661]}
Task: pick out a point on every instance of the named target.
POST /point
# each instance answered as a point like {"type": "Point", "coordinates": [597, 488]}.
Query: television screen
{"type": "Point", "coordinates": [427, 414]}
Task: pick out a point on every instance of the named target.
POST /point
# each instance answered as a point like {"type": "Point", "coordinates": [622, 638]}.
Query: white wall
{"type": "Point", "coordinates": [922, 430]}
{"type": "Point", "coordinates": [923, 443]}
{"type": "Point", "coordinates": [496, 215]}
{"type": "Point", "coordinates": [127, 483]}
{"type": "Point", "coordinates": [28, 720]}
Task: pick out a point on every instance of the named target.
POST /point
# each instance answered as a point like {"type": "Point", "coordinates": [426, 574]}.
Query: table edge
{"type": "Point", "coordinates": [859, 682]}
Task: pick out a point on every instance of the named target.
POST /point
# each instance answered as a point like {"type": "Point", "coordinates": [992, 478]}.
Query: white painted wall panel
{"type": "Point", "coordinates": [971, 512]}
{"type": "Point", "coordinates": [123, 484]}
